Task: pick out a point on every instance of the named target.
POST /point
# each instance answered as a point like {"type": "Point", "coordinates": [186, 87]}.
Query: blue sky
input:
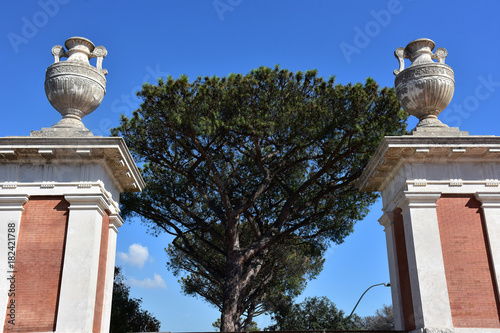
{"type": "Point", "coordinates": [149, 39]}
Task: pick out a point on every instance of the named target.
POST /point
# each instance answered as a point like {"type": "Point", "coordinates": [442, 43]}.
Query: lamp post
{"type": "Point", "coordinates": [359, 300]}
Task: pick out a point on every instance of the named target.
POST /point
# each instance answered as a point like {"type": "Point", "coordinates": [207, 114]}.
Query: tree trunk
{"type": "Point", "coordinates": [232, 290]}
{"type": "Point", "coordinates": [232, 285]}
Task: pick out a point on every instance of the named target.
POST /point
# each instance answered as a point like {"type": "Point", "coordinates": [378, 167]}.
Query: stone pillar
{"type": "Point", "coordinates": [431, 306]}
{"type": "Point", "coordinates": [77, 298]}
{"type": "Point", "coordinates": [11, 208]}
{"type": "Point", "coordinates": [387, 221]}
{"type": "Point", "coordinates": [115, 221]}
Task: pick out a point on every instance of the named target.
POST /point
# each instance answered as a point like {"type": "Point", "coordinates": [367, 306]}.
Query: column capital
{"type": "Point", "coordinates": [115, 221]}
{"type": "Point", "coordinates": [88, 202]}
{"type": "Point", "coordinates": [488, 199]}
{"type": "Point", "coordinates": [386, 220]}
{"type": "Point", "coordinates": [13, 201]}
{"type": "Point", "coordinates": [418, 200]}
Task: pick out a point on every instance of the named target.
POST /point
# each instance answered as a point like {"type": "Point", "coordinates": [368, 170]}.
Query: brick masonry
{"type": "Point", "coordinates": [469, 274]}
{"type": "Point", "coordinates": [39, 259]}
{"type": "Point", "coordinates": [403, 272]}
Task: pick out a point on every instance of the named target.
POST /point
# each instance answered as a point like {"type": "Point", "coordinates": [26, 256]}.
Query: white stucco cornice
{"type": "Point", "coordinates": [396, 150]}
{"type": "Point", "coordinates": [115, 221]}
{"type": "Point", "coordinates": [110, 150]}
{"type": "Point", "coordinates": [13, 202]}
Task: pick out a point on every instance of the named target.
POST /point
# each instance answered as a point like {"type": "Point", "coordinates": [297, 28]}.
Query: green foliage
{"type": "Point", "coordinates": [314, 313]}
{"type": "Point", "coordinates": [254, 175]}
{"type": "Point", "coordinates": [383, 320]}
{"type": "Point", "coordinates": [126, 313]}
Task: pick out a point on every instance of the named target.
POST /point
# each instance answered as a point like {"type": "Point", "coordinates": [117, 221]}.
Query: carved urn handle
{"type": "Point", "coordinates": [81, 50]}
{"type": "Point", "coordinates": [402, 53]}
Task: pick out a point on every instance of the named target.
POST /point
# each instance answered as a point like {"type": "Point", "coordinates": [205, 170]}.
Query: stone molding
{"type": "Point", "coordinates": [88, 202]}
{"type": "Point", "coordinates": [58, 189]}
{"type": "Point", "coordinates": [115, 221]}
{"type": "Point", "coordinates": [13, 202]}
{"type": "Point", "coordinates": [418, 200]}
{"type": "Point", "coordinates": [488, 200]}
{"type": "Point", "coordinates": [396, 151]}
{"type": "Point", "coordinates": [112, 151]}
{"type": "Point", "coordinates": [386, 220]}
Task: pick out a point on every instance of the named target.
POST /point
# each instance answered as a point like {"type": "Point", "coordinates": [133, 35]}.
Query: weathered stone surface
{"type": "Point", "coordinates": [438, 131]}
{"type": "Point", "coordinates": [74, 87]}
{"type": "Point", "coordinates": [440, 151]}
{"type": "Point", "coordinates": [425, 88]}
{"type": "Point", "coordinates": [71, 132]}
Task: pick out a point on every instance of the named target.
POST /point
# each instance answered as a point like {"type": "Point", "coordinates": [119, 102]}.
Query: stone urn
{"type": "Point", "coordinates": [425, 88]}
{"type": "Point", "coordinates": [74, 87]}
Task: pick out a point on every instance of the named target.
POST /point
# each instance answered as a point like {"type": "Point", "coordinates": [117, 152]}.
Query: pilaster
{"type": "Point", "coordinates": [431, 303]}
{"type": "Point", "coordinates": [11, 209]}
{"type": "Point", "coordinates": [388, 222]}
{"type": "Point", "coordinates": [81, 263]}
{"type": "Point", "coordinates": [115, 221]}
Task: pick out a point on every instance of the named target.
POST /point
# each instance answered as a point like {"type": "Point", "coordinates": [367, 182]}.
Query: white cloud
{"type": "Point", "coordinates": [137, 255]}
{"type": "Point", "coordinates": [156, 282]}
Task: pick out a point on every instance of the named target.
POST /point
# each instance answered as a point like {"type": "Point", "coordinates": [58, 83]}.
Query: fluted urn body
{"type": "Point", "coordinates": [425, 88]}
{"type": "Point", "coordinates": [74, 87]}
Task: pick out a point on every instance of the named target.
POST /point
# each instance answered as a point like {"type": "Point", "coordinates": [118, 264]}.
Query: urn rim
{"type": "Point", "coordinates": [416, 44]}
{"type": "Point", "coordinates": [77, 40]}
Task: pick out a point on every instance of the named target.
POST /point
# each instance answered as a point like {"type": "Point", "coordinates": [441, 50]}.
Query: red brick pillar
{"type": "Point", "coordinates": [470, 273]}
{"type": "Point", "coordinates": [38, 264]}
{"type": "Point", "coordinates": [490, 203]}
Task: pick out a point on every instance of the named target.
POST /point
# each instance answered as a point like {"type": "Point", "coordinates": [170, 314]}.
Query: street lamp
{"type": "Point", "coordinates": [359, 300]}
